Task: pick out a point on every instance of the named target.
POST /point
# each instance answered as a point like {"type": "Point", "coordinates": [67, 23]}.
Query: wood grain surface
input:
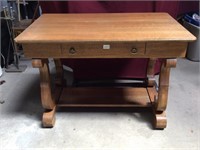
{"type": "Point", "coordinates": [104, 97]}
{"type": "Point", "coordinates": [104, 27]}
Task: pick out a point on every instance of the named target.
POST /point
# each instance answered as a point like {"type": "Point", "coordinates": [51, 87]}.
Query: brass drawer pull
{"type": "Point", "coordinates": [72, 50]}
{"type": "Point", "coordinates": [134, 50]}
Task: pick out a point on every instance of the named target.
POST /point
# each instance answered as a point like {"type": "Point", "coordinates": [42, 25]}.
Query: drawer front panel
{"type": "Point", "coordinates": [166, 49]}
{"type": "Point", "coordinates": [42, 50]}
{"type": "Point", "coordinates": [103, 50]}
{"type": "Point", "coordinates": [106, 50]}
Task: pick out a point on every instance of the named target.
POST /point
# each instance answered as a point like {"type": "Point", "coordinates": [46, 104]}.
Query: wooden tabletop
{"type": "Point", "coordinates": [55, 28]}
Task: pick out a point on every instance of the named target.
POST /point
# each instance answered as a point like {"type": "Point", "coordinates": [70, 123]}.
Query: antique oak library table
{"type": "Point", "coordinates": [105, 35]}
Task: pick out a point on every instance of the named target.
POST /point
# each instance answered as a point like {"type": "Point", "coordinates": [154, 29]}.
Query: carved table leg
{"type": "Point", "coordinates": [47, 99]}
{"type": "Point", "coordinates": [161, 101]}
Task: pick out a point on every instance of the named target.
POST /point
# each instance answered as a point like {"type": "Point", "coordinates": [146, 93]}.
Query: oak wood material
{"type": "Point", "coordinates": [161, 103]}
{"type": "Point", "coordinates": [96, 50]}
{"type": "Point", "coordinates": [117, 50]}
{"type": "Point", "coordinates": [38, 63]}
{"type": "Point", "coordinates": [61, 28]}
{"type": "Point", "coordinates": [163, 36]}
{"type": "Point", "coordinates": [47, 99]}
{"type": "Point", "coordinates": [166, 49]}
{"type": "Point", "coordinates": [48, 118]}
{"type": "Point", "coordinates": [130, 35]}
{"type": "Point", "coordinates": [104, 97]}
{"type": "Point", "coordinates": [160, 120]}
{"type": "Point", "coordinates": [42, 50]}
{"type": "Point", "coordinates": [152, 94]}
{"type": "Point", "coordinates": [150, 72]}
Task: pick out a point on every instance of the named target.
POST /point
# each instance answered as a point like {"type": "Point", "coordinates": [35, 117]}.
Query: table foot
{"type": "Point", "coordinates": [160, 120]}
{"type": "Point", "coordinates": [48, 119]}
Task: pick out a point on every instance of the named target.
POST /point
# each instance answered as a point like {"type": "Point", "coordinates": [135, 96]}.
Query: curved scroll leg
{"type": "Point", "coordinates": [47, 99]}
{"type": "Point", "coordinates": [161, 101]}
{"type": "Point", "coordinates": [164, 84]}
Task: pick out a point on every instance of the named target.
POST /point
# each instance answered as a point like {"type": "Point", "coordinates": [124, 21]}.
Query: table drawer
{"type": "Point", "coordinates": [103, 50]}
{"type": "Point", "coordinates": [166, 49]}
{"type": "Point", "coordinates": [42, 50]}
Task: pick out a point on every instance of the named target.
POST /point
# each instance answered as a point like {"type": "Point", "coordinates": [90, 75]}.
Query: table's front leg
{"type": "Point", "coordinates": [161, 101]}
{"type": "Point", "coordinates": [47, 98]}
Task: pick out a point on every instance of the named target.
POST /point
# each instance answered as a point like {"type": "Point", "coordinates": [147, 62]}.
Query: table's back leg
{"type": "Point", "coordinates": [161, 101]}
{"type": "Point", "coordinates": [60, 81]}
{"type": "Point", "coordinates": [47, 98]}
{"type": "Point", "coordinates": [150, 72]}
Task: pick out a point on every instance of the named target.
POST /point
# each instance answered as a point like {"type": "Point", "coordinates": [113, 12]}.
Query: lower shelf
{"type": "Point", "coordinates": [104, 97]}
